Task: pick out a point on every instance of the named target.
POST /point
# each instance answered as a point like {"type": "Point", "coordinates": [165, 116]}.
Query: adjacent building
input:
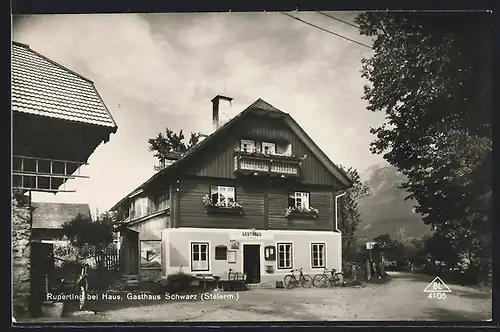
{"type": "Point", "coordinates": [256, 196]}
{"type": "Point", "coordinates": [58, 120]}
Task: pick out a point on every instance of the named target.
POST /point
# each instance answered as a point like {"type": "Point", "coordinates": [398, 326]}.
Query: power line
{"type": "Point", "coordinates": [338, 19]}
{"type": "Point", "coordinates": [326, 30]}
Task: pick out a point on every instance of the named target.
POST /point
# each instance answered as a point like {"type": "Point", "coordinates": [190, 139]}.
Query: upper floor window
{"type": "Point", "coordinates": [268, 148]}
{"type": "Point", "coordinates": [161, 202]}
{"type": "Point", "coordinates": [299, 200]}
{"type": "Point", "coordinates": [247, 145]}
{"type": "Point", "coordinates": [222, 195]}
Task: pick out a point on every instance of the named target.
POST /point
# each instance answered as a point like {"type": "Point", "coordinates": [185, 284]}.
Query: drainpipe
{"type": "Point", "coordinates": [339, 267]}
{"type": "Point", "coordinates": [337, 210]}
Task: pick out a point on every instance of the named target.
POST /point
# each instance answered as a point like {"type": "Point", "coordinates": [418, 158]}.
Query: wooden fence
{"type": "Point", "coordinates": [111, 260]}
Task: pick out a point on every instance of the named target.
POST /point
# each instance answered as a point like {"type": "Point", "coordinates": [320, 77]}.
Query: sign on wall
{"type": "Point", "coordinates": [231, 256]}
{"type": "Point", "coordinates": [252, 234]}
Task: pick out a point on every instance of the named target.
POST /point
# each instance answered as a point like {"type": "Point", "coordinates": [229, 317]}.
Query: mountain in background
{"type": "Point", "coordinates": [385, 209]}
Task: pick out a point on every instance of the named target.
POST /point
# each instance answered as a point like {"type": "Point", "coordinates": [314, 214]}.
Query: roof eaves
{"type": "Point", "coordinates": [115, 127]}
{"type": "Point", "coordinates": [327, 161]}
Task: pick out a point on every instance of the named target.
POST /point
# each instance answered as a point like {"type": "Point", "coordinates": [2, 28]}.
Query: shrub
{"type": "Point", "coordinates": [176, 282]}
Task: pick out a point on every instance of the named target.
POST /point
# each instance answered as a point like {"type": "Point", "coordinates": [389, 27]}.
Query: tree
{"type": "Point", "coordinates": [431, 76]}
{"type": "Point", "coordinates": [90, 237]}
{"type": "Point", "coordinates": [163, 144]}
{"type": "Point", "coordinates": [350, 214]}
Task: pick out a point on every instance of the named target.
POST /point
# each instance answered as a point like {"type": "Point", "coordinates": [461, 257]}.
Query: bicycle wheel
{"type": "Point", "coordinates": [289, 281]}
{"type": "Point", "coordinates": [319, 280]}
{"type": "Point", "coordinates": [306, 281]}
{"type": "Point", "coordinates": [338, 279]}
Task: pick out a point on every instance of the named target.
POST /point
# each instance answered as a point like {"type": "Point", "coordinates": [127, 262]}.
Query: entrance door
{"type": "Point", "coordinates": [251, 262]}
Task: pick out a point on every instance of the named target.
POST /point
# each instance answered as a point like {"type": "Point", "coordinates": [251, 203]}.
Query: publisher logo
{"type": "Point", "coordinates": [437, 289]}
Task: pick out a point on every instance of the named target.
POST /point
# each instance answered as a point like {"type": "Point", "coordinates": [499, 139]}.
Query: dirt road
{"type": "Point", "coordinates": [402, 298]}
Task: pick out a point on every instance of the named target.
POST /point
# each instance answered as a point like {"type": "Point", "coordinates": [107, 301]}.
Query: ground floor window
{"type": "Point", "coordinates": [285, 256]}
{"type": "Point", "coordinates": [150, 253]}
{"type": "Point", "coordinates": [318, 253]}
{"type": "Point", "coordinates": [199, 256]}
{"type": "Point", "coordinates": [221, 253]}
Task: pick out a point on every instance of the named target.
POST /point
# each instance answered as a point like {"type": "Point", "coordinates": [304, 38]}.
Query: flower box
{"type": "Point", "coordinates": [232, 208]}
{"type": "Point", "coordinates": [223, 209]}
{"type": "Point", "coordinates": [301, 213]}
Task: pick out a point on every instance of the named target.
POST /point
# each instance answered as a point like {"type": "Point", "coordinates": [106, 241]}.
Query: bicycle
{"type": "Point", "coordinates": [333, 278]}
{"type": "Point", "coordinates": [304, 280]}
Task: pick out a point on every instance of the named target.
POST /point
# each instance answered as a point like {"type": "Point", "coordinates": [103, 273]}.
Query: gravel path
{"type": "Point", "coordinates": [402, 298]}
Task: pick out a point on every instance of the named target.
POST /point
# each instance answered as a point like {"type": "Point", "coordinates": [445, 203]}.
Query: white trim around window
{"type": "Point", "coordinates": [199, 256]}
{"type": "Point", "coordinates": [222, 194]}
{"type": "Point", "coordinates": [302, 199]}
{"type": "Point", "coordinates": [284, 255]}
{"type": "Point", "coordinates": [247, 145]}
{"type": "Point", "coordinates": [317, 261]}
{"type": "Point", "coordinates": [268, 148]}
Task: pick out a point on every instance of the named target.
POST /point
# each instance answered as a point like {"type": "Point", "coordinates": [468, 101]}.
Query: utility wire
{"type": "Point", "coordinates": [338, 19]}
{"type": "Point", "coordinates": [326, 30]}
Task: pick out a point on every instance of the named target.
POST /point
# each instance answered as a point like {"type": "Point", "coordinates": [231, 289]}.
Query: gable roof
{"type": "Point", "coordinates": [54, 215]}
{"type": "Point", "coordinates": [262, 107]}
{"type": "Point", "coordinates": [43, 87]}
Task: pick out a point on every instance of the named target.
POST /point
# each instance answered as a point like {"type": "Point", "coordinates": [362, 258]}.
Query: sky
{"type": "Point", "coordinates": [155, 71]}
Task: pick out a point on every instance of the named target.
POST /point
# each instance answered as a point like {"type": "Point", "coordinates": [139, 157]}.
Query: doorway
{"type": "Point", "coordinates": [251, 262]}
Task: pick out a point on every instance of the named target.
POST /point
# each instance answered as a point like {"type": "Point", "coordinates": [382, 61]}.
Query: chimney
{"type": "Point", "coordinates": [215, 109]}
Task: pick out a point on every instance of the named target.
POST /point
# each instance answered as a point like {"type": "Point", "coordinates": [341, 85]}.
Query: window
{"type": "Point", "coordinates": [285, 256]}
{"type": "Point", "coordinates": [161, 202]}
{"type": "Point", "coordinates": [199, 256]}
{"type": "Point", "coordinates": [150, 253]}
{"type": "Point", "coordinates": [269, 253]}
{"type": "Point", "coordinates": [268, 148]}
{"type": "Point", "coordinates": [132, 210]}
{"type": "Point", "coordinates": [247, 146]}
{"type": "Point", "coordinates": [299, 200]}
{"type": "Point", "coordinates": [221, 253]}
{"type": "Point", "coordinates": [222, 195]}
{"type": "Point", "coordinates": [318, 255]}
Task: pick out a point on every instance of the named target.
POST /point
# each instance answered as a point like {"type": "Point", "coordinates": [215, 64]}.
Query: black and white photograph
{"type": "Point", "coordinates": [294, 166]}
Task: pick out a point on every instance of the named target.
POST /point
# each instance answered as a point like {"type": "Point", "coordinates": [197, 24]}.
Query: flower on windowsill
{"type": "Point", "coordinates": [259, 153]}
{"type": "Point", "coordinates": [302, 210]}
{"type": "Point", "coordinates": [224, 205]}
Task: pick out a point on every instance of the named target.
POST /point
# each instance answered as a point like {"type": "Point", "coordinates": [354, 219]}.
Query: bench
{"type": "Point", "coordinates": [206, 280]}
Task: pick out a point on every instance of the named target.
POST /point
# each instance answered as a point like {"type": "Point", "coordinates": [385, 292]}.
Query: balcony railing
{"type": "Point", "coordinates": [41, 174]}
{"type": "Point", "coordinates": [259, 163]}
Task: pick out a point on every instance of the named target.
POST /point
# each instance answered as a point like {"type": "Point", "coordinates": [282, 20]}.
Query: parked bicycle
{"type": "Point", "coordinates": [333, 278]}
{"type": "Point", "coordinates": [291, 281]}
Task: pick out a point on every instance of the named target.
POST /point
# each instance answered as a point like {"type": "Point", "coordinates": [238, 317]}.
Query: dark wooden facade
{"type": "Point", "coordinates": [218, 161]}
{"type": "Point", "coordinates": [264, 199]}
{"type": "Point", "coordinates": [263, 206]}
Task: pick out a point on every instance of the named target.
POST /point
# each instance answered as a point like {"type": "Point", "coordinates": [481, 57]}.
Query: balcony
{"type": "Point", "coordinates": [257, 163]}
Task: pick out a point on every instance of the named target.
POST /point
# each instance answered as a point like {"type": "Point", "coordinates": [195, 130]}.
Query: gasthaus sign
{"type": "Point", "coordinates": [251, 235]}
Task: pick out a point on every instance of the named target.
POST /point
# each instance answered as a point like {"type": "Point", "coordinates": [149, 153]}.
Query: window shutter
{"type": "Point", "coordinates": [305, 200]}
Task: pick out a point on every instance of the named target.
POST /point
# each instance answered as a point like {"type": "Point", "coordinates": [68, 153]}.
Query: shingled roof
{"type": "Point", "coordinates": [54, 215]}
{"type": "Point", "coordinates": [43, 87]}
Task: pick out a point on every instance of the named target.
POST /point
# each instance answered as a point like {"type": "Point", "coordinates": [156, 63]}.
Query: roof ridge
{"type": "Point", "coordinates": [20, 44]}
{"type": "Point", "coordinates": [53, 62]}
